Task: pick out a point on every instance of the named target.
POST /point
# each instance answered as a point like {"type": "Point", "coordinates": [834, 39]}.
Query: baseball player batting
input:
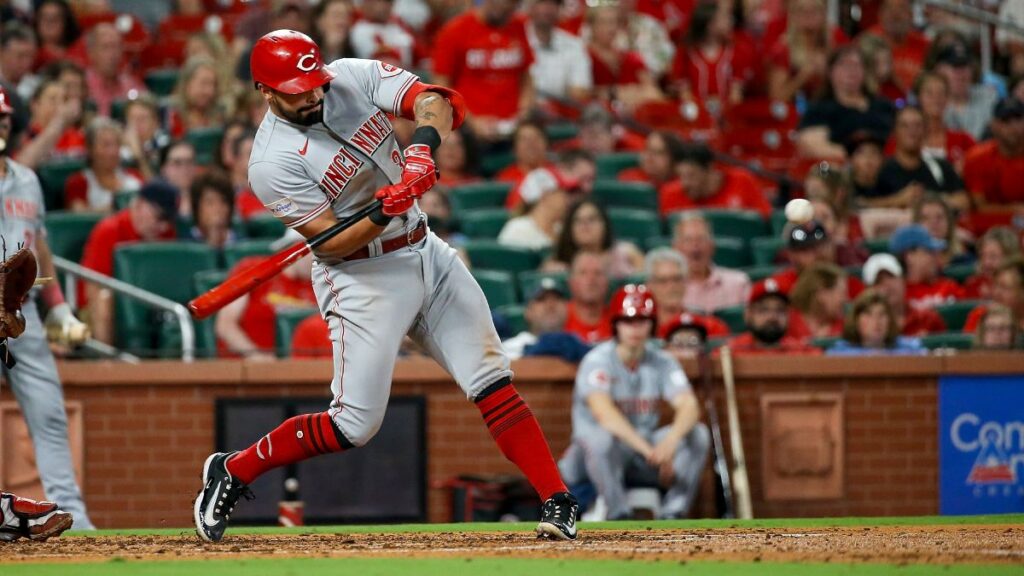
{"type": "Point", "coordinates": [325, 150]}
{"type": "Point", "coordinates": [615, 415]}
{"type": "Point", "coordinates": [34, 381]}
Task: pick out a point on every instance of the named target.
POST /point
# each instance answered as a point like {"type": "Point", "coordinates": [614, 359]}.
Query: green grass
{"type": "Point", "coordinates": [635, 525]}
{"type": "Point", "coordinates": [488, 566]}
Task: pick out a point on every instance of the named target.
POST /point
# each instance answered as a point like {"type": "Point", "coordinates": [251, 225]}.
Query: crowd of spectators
{"type": "Point", "coordinates": [887, 123]}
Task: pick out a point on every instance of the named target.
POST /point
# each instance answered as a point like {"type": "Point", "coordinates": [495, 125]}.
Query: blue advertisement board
{"type": "Point", "coordinates": [981, 444]}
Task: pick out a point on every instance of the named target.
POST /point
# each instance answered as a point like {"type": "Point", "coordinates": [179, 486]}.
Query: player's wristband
{"type": "Point", "coordinates": [379, 218]}
{"type": "Point", "coordinates": [427, 135]}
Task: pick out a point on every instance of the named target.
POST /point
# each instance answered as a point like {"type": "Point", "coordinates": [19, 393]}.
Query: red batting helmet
{"type": "Point", "coordinates": [633, 301]}
{"type": "Point", "coordinates": [289, 62]}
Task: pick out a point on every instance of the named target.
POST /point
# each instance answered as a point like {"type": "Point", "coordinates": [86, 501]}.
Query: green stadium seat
{"type": "Point", "coordinates": [825, 342]}
{"type": "Point", "coordinates": [205, 141]}
{"type": "Point", "coordinates": [561, 131]}
{"type": "Point", "coordinates": [285, 322]}
{"type": "Point", "coordinates": [767, 249]}
{"type": "Point", "coordinates": [169, 336]}
{"type": "Point", "coordinates": [657, 242]}
{"type": "Point", "coordinates": [731, 252]}
{"type": "Point", "coordinates": [634, 225]}
{"type": "Point", "coordinates": [733, 318]}
{"type": "Point", "coordinates": [68, 231]}
{"type": "Point", "coordinates": [743, 224]}
{"type": "Point", "coordinates": [479, 195]}
{"type": "Point", "coordinates": [529, 280]}
{"type": "Point", "coordinates": [234, 253]}
{"type": "Point", "coordinates": [759, 272]}
{"type": "Point", "coordinates": [123, 199]}
{"type": "Point", "coordinates": [491, 164]}
{"type": "Point", "coordinates": [156, 267]}
{"type": "Point", "coordinates": [515, 315]}
{"type": "Point", "coordinates": [489, 255]}
{"type": "Point", "coordinates": [485, 223]}
{"type": "Point", "coordinates": [183, 227]}
{"type": "Point", "coordinates": [615, 194]}
{"type": "Point", "coordinates": [263, 226]}
{"type": "Point", "coordinates": [959, 272]}
{"type": "Point", "coordinates": [609, 165]}
{"type": "Point", "coordinates": [161, 82]}
{"type": "Point", "coordinates": [955, 314]}
{"type": "Point", "coordinates": [877, 245]}
{"type": "Point", "coordinates": [117, 109]}
{"type": "Point", "coordinates": [51, 178]}
{"type": "Point", "coordinates": [946, 340]}
{"type": "Point", "coordinates": [716, 343]}
{"type": "Point", "coordinates": [778, 222]}
{"type": "Point", "coordinates": [499, 287]}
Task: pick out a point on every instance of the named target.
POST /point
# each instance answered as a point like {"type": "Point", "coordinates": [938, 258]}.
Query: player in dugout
{"type": "Point", "coordinates": [615, 416]}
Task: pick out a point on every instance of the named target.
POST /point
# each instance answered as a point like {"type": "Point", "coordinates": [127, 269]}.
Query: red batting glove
{"type": "Point", "coordinates": [419, 173]}
{"type": "Point", "coordinates": [395, 199]}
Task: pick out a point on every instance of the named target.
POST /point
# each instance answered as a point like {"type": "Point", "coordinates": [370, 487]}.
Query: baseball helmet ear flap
{"type": "Point", "coordinates": [634, 301]}
{"type": "Point", "coordinates": [289, 62]}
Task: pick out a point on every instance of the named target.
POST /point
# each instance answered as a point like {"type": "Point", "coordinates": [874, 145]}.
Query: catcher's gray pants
{"type": "Point", "coordinates": [37, 387]}
{"type": "Point", "coordinates": [424, 291]}
{"type": "Point", "coordinates": [602, 459]}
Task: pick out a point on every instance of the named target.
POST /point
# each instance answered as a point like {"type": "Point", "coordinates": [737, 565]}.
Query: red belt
{"type": "Point", "coordinates": [411, 237]}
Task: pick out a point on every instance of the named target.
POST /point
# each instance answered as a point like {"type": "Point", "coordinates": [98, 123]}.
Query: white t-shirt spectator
{"type": "Point", "coordinates": [523, 232]}
{"type": "Point", "coordinates": [370, 40]}
{"type": "Point", "coordinates": [562, 65]}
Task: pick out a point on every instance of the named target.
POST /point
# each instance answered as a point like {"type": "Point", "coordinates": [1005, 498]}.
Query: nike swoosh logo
{"type": "Point", "coordinates": [208, 516]}
{"type": "Point", "coordinates": [305, 147]}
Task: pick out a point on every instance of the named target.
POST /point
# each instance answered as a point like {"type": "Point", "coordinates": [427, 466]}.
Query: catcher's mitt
{"type": "Point", "coordinates": [17, 274]}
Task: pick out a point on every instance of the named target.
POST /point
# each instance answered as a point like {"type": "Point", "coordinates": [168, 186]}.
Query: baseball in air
{"type": "Point", "coordinates": [799, 211]}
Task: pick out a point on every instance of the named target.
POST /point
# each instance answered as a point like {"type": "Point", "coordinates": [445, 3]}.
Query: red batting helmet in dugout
{"type": "Point", "coordinates": [633, 301]}
{"type": "Point", "coordinates": [289, 62]}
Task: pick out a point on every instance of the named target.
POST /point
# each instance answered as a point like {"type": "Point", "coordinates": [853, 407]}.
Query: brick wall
{"type": "Point", "coordinates": [149, 427]}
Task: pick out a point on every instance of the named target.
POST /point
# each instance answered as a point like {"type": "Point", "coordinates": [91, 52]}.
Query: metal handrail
{"type": "Point", "coordinates": [976, 14]}
{"type": "Point", "coordinates": [984, 19]}
{"type": "Point", "coordinates": [188, 334]}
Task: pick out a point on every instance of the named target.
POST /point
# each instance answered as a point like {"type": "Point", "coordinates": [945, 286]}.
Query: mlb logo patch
{"type": "Point", "coordinates": [282, 207]}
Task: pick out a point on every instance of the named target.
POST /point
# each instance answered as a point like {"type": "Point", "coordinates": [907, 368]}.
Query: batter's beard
{"type": "Point", "coordinates": [306, 118]}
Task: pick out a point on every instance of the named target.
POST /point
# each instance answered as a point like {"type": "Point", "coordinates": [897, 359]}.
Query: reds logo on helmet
{"type": "Point", "coordinates": [308, 62]}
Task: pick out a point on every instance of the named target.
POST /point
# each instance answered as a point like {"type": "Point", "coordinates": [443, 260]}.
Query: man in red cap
{"type": "Point", "coordinates": [615, 416]}
{"type": "Point", "coordinates": [767, 318]}
{"type": "Point", "coordinates": [325, 151]}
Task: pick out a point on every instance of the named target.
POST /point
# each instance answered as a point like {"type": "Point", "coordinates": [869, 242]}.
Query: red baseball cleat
{"type": "Point", "coordinates": [24, 518]}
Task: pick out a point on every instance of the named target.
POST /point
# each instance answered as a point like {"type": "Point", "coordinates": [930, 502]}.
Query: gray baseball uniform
{"type": "Point", "coordinates": [598, 456]}
{"type": "Point", "coordinates": [422, 290]}
{"type": "Point", "coordinates": [34, 380]}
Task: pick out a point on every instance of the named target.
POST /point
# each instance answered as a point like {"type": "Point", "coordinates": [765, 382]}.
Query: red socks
{"type": "Point", "coordinates": [519, 436]}
{"type": "Point", "coordinates": [297, 439]}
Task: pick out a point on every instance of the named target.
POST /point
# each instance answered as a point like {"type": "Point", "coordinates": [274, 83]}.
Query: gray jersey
{"type": "Point", "coordinates": [636, 392]}
{"type": "Point", "coordinates": [23, 209]}
{"type": "Point", "coordinates": [34, 380]}
{"type": "Point", "coordinates": [298, 172]}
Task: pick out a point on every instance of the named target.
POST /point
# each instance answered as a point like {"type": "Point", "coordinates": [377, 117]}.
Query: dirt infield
{"type": "Point", "coordinates": [985, 544]}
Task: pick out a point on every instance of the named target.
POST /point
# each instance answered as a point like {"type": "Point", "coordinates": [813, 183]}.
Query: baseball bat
{"type": "Point", "coordinates": [723, 488]}
{"type": "Point", "coordinates": [236, 286]}
{"type": "Point", "coordinates": [740, 481]}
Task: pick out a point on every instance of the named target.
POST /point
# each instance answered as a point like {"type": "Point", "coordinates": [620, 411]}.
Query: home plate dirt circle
{"type": "Point", "coordinates": [980, 544]}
